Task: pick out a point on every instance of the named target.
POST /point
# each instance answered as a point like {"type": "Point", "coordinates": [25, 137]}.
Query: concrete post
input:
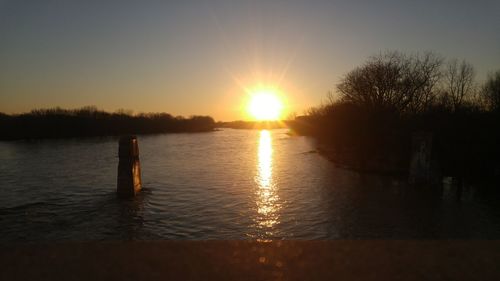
{"type": "Point", "coordinates": [421, 161]}
{"type": "Point", "coordinates": [129, 167]}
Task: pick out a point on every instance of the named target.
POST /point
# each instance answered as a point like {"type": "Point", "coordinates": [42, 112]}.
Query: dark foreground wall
{"type": "Point", "coordinates": [250, 260]}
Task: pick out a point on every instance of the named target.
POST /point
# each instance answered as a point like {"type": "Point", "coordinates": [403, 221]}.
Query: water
{"type": "Point", "coordinates": [230, 184]}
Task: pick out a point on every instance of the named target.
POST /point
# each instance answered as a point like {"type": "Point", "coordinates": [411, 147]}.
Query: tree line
{"type": "Point", "coordinates": [369, 120]}
{"type": "Point", "coordinates": [90, 121]}
{"type": "Point", "coordinates": [257, 125]}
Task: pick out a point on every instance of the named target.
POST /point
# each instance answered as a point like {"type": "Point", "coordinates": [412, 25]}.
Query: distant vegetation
{"type": "Point", "coordinates": [89, 121]}
{"type": "Point", "coordinates": [369, 123]}
{"type": "Point", "coordinates": [252, 125]}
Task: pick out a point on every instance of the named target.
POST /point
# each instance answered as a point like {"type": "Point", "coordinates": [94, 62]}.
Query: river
{"type": "Point", "coordinates": [228, 184]}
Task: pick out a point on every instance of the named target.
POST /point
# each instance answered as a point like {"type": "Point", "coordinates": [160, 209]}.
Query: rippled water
{"type": "Point", "coordinates": [230, 184]}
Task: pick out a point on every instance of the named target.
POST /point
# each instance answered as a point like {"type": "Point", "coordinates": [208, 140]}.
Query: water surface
{"type": "Point", "coordinates": [230, 184]}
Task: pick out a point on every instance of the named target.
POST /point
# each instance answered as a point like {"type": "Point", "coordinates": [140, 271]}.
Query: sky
{"type": "Point", "coordinates": [202, 57]}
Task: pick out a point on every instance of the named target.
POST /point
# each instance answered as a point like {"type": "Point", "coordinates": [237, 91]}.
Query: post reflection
{"type": "Point", "coordinates": [267, 196]}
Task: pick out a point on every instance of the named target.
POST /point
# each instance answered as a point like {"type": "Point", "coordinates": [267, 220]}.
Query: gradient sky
{"type": "Point", "coordinates": [197, 57]}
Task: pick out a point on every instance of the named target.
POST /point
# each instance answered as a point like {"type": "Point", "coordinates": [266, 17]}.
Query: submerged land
{"type": "Point", "coordinates": [379, 108]}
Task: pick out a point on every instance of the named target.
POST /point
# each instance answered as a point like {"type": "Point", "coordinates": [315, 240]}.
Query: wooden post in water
{"type": "Point", "coordinates": [421, 161]}
{"type": "Point", "coordinates": [129, 167]}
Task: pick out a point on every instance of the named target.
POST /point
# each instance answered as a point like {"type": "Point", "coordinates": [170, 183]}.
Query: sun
{"type": "Point", "coordinates": [265, 105]}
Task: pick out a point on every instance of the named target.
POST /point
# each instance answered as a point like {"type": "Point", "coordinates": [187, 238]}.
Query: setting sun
{"type": "Point", "coordinates": [265, 105]}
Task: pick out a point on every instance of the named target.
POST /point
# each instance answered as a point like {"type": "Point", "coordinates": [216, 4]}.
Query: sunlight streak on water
{"type": "Point", "coordinates": [267, 195]}
{"type": "Point", "coordinates": [228, 184]}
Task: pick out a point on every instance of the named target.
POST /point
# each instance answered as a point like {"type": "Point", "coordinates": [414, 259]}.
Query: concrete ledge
{"type": "Point", "coordinates": [251, 260]}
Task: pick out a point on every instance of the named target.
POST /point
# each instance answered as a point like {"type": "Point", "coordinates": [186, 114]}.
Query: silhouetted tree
{"type": "Point", "coordinates": [90, 121]}
{"type": "Point", "coordinates": [383, 102]}
{"type": "Point", "coordinates": [491, 91]}
{"type": "Point", "coordinates": [459, 84]}
{"type": "Point", "coordinates": [393, 82]}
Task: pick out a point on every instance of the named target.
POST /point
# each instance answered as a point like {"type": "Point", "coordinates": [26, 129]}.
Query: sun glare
{"type": "Point", "coordinates": [265, 105]}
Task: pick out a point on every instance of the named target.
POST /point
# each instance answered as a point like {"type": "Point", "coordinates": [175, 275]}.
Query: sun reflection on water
{"type": "Point", "coordinates": [267, 196]}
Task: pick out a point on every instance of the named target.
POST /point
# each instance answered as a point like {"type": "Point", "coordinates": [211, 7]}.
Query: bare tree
{"type": "Point", "coordinates": [393, 81]}
{"type": "Point", "coordinates": [423, 76]}
{"type": "Point", "coordinates": [375, 85]}
{"type": "Point", "coordinates": [459, 83]}
{"type": "Point", "coordinates": [491, 91]}
{"type": "Point", "coordinates": [331, 98]}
